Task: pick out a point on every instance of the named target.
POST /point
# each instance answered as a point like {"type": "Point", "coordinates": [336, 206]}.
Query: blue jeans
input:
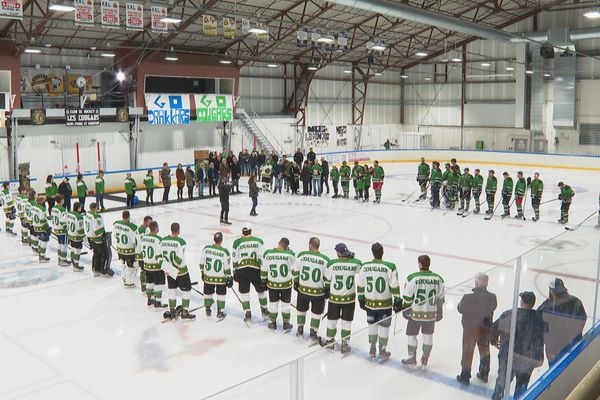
{"type": "Point", "coordinates": [201, 187]}
{"type": "Point", "coordinates": [316, 187]}
{"type": "Point", "coordinates": [254, 204]}
{"type": "Point", "coordinates": [100, 199]}
{"type": "Point", "coordinates": [278, 183]}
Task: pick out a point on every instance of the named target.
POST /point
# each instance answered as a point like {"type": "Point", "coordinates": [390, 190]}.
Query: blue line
{"type": "Point", "coordinates": [458, 151]}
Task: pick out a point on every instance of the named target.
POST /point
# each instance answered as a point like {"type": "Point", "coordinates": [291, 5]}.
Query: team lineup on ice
{"type": "Point", "coordinates": [375, 283]}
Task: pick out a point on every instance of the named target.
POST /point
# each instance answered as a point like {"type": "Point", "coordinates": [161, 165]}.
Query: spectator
{"type": "Point", "coordinates": [180, 178]}
{"type": "Point", "coordinates": [212, 179]}
{"type": "Point", "coordinates": [528, 349]}
{"type": "Point", "coordinates": [236, 173]}
{"type": "Point", "coordinates": [65, 189]}
{"type": "Point", "coordinates": [311, 156]}
{"type": "Point", "coordinates": [211, 158]}
{"type": "Point", "coordinates": [262, 159]}
{"type": "Point", "coordinates": [246, 158]}
{"type": "Point", "coordinates": [274, 157]}
{"type": "Point", "coordinates": [99, 186]}
{"type": "Point", "coordinates": [565, 317]}
{"type": "Point", "coordinates": [149, 184]}
{"type": "Point", "coordinates": [295, 178]}
{"type": "Point", "coordinates": [316, 171]}
{"type": "Point", "coordinates": [165, 177]}
{"type": "Point", "coordinates": [224, 199]}
{"type": "Point", "coordinates": [387, 144]}
{"type": "Point", "coordinates": [325, 175]}
{"type": "Point", "coordinates": [200, 177]}
{"type": "Point", "coordinates": [298, 157]}
{"type": "Point", "coordinates": [305, 178]}
{"type": "Point", "coordinates": [278, 173]}
{"type": "Point", "coordinates": [477, 311]}
{"type": "Point", "coordinates": [81, 191]}
{"type": "Point", "coordinates": [241, 162]}
{"type": "Point", "coordinates": [189, 181]}
{"type": "Point", "coordinates": [287, 175]}
{"type": "Point", "coordinates": [224, 171]}
{"type": "Point", "coordinates": [253, 160]}
{"type": "Point", "coordinates": [130, 187]}
{"type": "Point", "coordinates": [253, 193]}
{"type": "Point", "coordinates": [51, 192]}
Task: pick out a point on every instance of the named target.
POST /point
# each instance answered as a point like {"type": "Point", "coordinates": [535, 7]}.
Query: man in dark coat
{"type": "Point", "coordinates": [298, 157]}
{"type": "Point", "coordinates": [224, 199]}
{"type": "Point", "coordinates": [311, 156]}
{"type": "Point", "coordinates": [305, 178]}
{"type": "Point", "coordinates": [67, 191]}
{"type": "Point", "coordinates": [325, 174]}
{"type": "Point", "coordinates": [236, 173]}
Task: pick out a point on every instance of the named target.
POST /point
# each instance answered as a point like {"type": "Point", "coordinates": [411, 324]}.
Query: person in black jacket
{"type": "Point", "coordinates": [477, 309]}
{"type": "Point", "coordinates": [224, 199]}
{"type": "Point", "coordinates": [298, 157]}
{"type": "Point", "coordinates": [212, 179]}
{"type": "Point", "coordinates": [295, 178]}
{"type": "Point", "coordinates": [528, 348]}
{"type": "Point", "coordinates": [325, 174]}
{"type": "Point", "coordinates": [236, 173]}
{"type": "Point", "coordinates": [67, 191]}
{"type": "Point", "coordinates": [305, 178]}
{"type": "Point", "coordinates": [311, 156]}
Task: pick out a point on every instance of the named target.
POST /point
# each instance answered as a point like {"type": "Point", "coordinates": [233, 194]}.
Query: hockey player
{"type": "Point", "coordinates": [378, 176]}
{"type": "Point", "coordinates": [491, 185]}
{"type": "Point", "coordinates": [445, 187]}
{"type": "Point", "coordinates": [537, 189]}
{"type": "Point", "coordinates": [266, 176]}
{"type": "Point", "coordinates": [436, 184]}
{"type": "Point", "coordinates": [276, 275]}
{"type": "Point", "coordinates": [126, 237]}
{"type": "Point", "coordinates": [345, 179]}
{"type": "Point", "coordinates": [566, 197]}
{"type": "Point", "coordinates": [59, 228]}
{"type": "Point", "coordinates": [142, 230]}
{"type": "Point", "coordinates": [155, 277]}
{"type": "Point", "coordinates": [477, 188]}
{"type": "Point", "coordinates": [41, 227]}
{"type": "Point", "coordinates": [507, 191]}
{"type": "Point", "coordinates": [172, 248]}
{"type": "Point", "coordinates": [95, 233]}
{"type": "Point", "coordinates": [335, 179]}
{"type": "Point", "coordinates": [75, 234]}
{"type": "Point", "coordinates": [7, 201]}
{"type": "Point", "coordinates": [21, 201]}
{"type": "Point", "coordinates": [357, 173]}
{"type": "Point", "coordinates": [33, 240]}
{"type": "Point", "coordinates": [378, 295]}
{"type": "Point", "coordinates": [466, 185]}
{"type": "Point", "coordinates": [309, 282]}
{"type": "Point", "coordinates": [367, 181]}
{"type": "Point", "coordinates": [423, 178]}
{"type": "Point", "coordinates": [247, 258]}
{"type": "Point", "coordinates": [340, 289]}
{"type": "Point", "coordinates": [423, 300]}
{"type": "Point", "coordinates": [453, 186]}
{"type": "Point", "coordinates": [215, 268]}
{"type": "Point", "coordinates": [520, 192]}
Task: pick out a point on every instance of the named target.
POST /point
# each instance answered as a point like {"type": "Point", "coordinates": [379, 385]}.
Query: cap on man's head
{"type": "Point", "coordinates": [528, 297]}
{"type": "Point", "coordinates": [558, 286]}
{"type": "Point", "coordinates": [342, 249]}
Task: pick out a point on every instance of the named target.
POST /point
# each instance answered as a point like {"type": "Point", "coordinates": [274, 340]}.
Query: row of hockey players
{"type": "Point", "coordinates": [459, 187]}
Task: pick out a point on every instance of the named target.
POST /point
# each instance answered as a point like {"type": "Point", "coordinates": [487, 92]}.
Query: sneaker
{"type": "Point", "coordinates": [272, 325]}
{"type": "Point", "coordinates": [410, 362]}
{"type": "Point", "coordinates": [482, 378]}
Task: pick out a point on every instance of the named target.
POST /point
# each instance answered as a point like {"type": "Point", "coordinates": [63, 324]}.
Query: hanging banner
{"type": "Point", "coordinates": [50, 83]}
{"type": "Point", "coordinates": [301, 38]}
{"type": "Point", "coordinates": [209, 25]}
{"type": "Point", "coordinates": [134, 16]}
{"type": "Point", "coordinates": [109, 14]}
{"type": "Point", "coordinates": [11, 9]}
{"type": "Point", "coordinates": [82, 116]}
{"type": "Point", "coordinates": [168, 109]}
{"type": "Point", "coordinates": [245, 26]}
{"type": "Point", "coordinates": [84, 12]}
{"type": "Point", "coordinates": [229, 30]}
{"type": "Point", "coordinates": [342, 41]}
{"type": "Point", "coordinates": [213, 107]}
{"type": "Point", "coordinates": [263, 37]}
{"type": "Point", "coordinates": [156, 14]}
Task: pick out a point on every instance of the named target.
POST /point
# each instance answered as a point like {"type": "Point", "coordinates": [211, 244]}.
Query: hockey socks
{"type": "Point", "coordinates": [301, 318]}
{"type": "Point", "coordinates": [75, 255]}
{"type": "Point", "coordinates": [220, 302]}
{"type": "Point", "coordinates": [427, 343]}
{"type": "Point", "coordinates": [262, 299]}
{"type": "Point", "coordinates": [315, 321]}
{"type": "Point", "coordinates": [245, 301]}
{"type": "Point", "coordinates": [208, 301]}
{"type": "Point", "coordinates": [413, 343]}
{"type": "Point", "coordinates": [10, 224]}
{"type": "Point", "coordinates": [332, 329]}
{"type": "Point", "coordinates": [273, 311]}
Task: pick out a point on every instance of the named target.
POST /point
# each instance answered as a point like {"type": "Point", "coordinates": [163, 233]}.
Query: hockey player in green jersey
{"type": "Point", "coordinates": [520, 192]}
{"type": "Point", "coordinates": [142, 230]}
{"type": "Point", "coordinates": [75, 234]}
{"type": "Point", "coordinates": [357, 175]}
{"type": "Point", "coordinates": [59, 228]}
{"type": "Point", "coordinates": [436, 184]}
{"type": "Point", "coordinates": [33, 240]}
{"type": "Point", "coordinates": [309, 282]}
{"type": "Point", "coordinates": [173, 263]}
{"type": "Point", "coordinates": [155, 277]}
{"type": "Point", "coordinates": [41, 227]}
{"type": "Point", "coordinates": [340, 289]}
{"type": "Point", "coordinates": [367, 181]}
{"type": "Point", "coordinates": [537, 189]}
{"type": "Point", "coordinates": [21, 201]}
{"type": "Point", "coordinates": [423, 178]}
{"type": "Point", "coordinates": [345, 179]}
{"type": "Point", "coordinates": [453, 186]}
{"type": "Point", "coordinates": [507, 191]}
{"type": "Point", "coordinates": [466, 185]}
{"type": "Point", "coordinates": [379, 295]}
{"type": "Point", "coordinates": [566, 197]}
{"type": "Point", "coordinates": [335, 179]}
{"type": "Point", "coordinates": [215, 268]}
{"type": "Point", "coordinates": [247, 258]}
{"type": "Point", "coordinates": [491, 185]}
{"type": "Point", "coordinates": [378, 177]}
{"type": "Point", "coordinates": [423, 302]}
{"type": "Point", "coordinates": [125, 233]}
{"type": "Point", "coordinates": [477, 189]}
{"type": "Point", "coordinates": [445, 187]}
{"type": "Point", "coordinates": [7, 201]}
{"type": "Point", "coordinates": [276, 275]}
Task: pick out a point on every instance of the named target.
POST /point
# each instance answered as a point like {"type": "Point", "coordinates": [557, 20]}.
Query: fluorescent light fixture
{"type": "Point", "coordinates": [48, 45]}
{"type": "Point", "coordinates": [594, 13]}
{"type": "Point", "coordinates": [509, 68]}
{"type": "Point", "coordinates": [325, 39]}
{"type": "Point", "coordinates": [272, 65]}
{"type": "Point", "coordinates": [404, 76]}
{"type": "Point", "coordinates": [107, 54]}
{"type": "Point", "coordinates": [225, 61]}
{"type": "Point", "coordinates": [170, 20]}
{"type": "Point", "coordinates": [547, 75]}
{"type": "Point", "coordinates": [61, 7]}
{"type": "Point", "coordinates": [456, 59]}
{"type": "Point", "coordinates": [421, 54]}
{"type": "Point", "coordinates": [427, 78]}
{"type": "Point", "coordinates": [120, 76]}
{"type": "Point", "coordinates": [378, 74]}
{"type": "Point", "coordinates": [529, 72]}
{"type": "Point", "coordinates": [32, 51]}
{"type": "Point", "coordinates": [347, 71]}
{"type": "Point", "coordinates": [486, 64]}
{"type": "Point", "coordinates": [171, 58]}
{"type": "Point", "coordinates": [258, 30]}
{"type": "Point", "coordinates": [378, 47]}
{"type": "Point", "coordinates": [312, 68]}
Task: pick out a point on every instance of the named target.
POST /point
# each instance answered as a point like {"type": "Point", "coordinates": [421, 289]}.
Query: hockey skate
{"type": "Point", "coordinates": [77, 267]}
{"type": "Point", "coordinates": [300, 333]}
{"type": "Point", "coordinates": [150, 302]}
{"type": "Point", "coordinates": [373, 352]}
{"type": "Point", "coordinates": [424, 360]}
{"type": "Point", "coordinates": [159, 304]}
{"type": "Point", "coordinates": [314, 338]}
{"type": "Point", "coordinates": [265, 313]}
{"type": "Point", "coordinates": [463, 379]}
{"type": "Point", "coordinates": [220, 316]}
{"type": "Point", "coordinates": [185, 314]}
{"type": "Point", "coordinates": [208, 312]}
{"type": "Point", "coordinates": [476, 210]}
{"type": "Point", "coordinates": [483, 378]}
{"type": "Point", "coordinates": [248, 319]}
{"type": "Point", "coordinates": [11, 233]}
{"type": "Point", "coordinates": [287, 327]}
{"type": "Point", "coordinates": [384, 355]}
{"type": "Point", "coordinates": [272, 325]}
{"type": "Point", "coordinates": [169, 315]}
{"type": "Point", "coordinates": [328, 344]}
{"type": "Point", "coordinates": [519, 216]}
{"type": "Point", "coordinates": [410, 362]}
{"type": "Point", "coordinates": [43, 259]}
{"type": "Point", "coordinates": [534, 219]}
{"type": "Point", "coordinates": [345, 348]}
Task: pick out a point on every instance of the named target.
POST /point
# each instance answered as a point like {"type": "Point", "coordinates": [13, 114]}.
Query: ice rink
{"type": "Point", "coordinates": [66, 335]}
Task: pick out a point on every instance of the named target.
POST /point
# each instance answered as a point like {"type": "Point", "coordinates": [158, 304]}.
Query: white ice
{"type": "Point", "coordinates": [66, 335]}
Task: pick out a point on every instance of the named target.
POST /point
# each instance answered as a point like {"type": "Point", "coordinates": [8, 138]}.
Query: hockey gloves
{"type": "Point", "coordinates": [327, 292]}
{"type": "Point", "coordinates": [229, 282]}
{"type": "Point", "coordinates": [397, 307]}
{"type": "Point", "coordinates": [406, 314]}
{"type": "Point", "coordinates": [361, 303]}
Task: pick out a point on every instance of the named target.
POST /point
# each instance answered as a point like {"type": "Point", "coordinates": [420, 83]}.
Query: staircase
{"type": "Point", "coordinates": [254, 131]}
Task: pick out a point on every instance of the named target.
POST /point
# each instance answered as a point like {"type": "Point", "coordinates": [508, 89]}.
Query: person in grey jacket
{"type": "Point", "coordinates": [189, 181]}
{"type": "Point", "coordinates": [477, 309]}
{"type": "Point", "coordinates": [253, 193]}
{"type": "Point", "coordinates": [165, 177]}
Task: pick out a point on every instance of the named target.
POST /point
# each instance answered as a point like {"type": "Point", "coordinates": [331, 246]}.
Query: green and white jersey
{"type": "Point", "coordinates": [266, 171]}
{"type": "Point", "coordinates": [340, 277]}
{"type": "Point", "coordinates": [151, 252]}
{"type": "Point", "coordinates": [21, 202]}
{"type": "Point", "coordinates": [59, 220]}
{"type": "Point", "coordinates": [28, 210]}
{"type": "Point", "coordinates": [75, 230]}
{"type": "Point", "coordinates": [94, 227]}
{"type": "Point", "coordinates": [309, 272]}
{"type": "Point", "coordinates": [215, 265]}
{"type": "Point", "coordinates": [173, 252]}
{"type": "Point", "coordinates": [378, 284]}
{"type": "Point", "coordinates": [247, 252]}
{"type": "Point", "coordinates": [141, 231]}
{"type": "Point", "coordinates": [7, 200]}
{"type": "Point", "coordinates": [125, 236]}
{"type": "Point", "coordinates": [276, 269]}
{"type": "Point", "coordinates": [424, 291]}
{"type": "Point", "coordinates": [40, 221]}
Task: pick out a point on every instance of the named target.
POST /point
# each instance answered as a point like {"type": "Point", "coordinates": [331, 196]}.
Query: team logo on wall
{"type": "Point", "coordinates": [38, 117]}
{"type": "Point", "coordinates": [122, 114]}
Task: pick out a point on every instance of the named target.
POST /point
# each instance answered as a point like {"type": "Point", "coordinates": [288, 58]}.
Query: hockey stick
{"type": "Point", "coordinates": [525, 203]}
{"type": "Point", "coordinates": [488, 217]}
{"type": "Point", "coordinates": [423, 193]}
{"type": "Point", "coordinates": [581, 223]}
{"type": "Point", "coordinates": [197, 291]}
{"type": "Point", "coordinates": [549, 201]}
{"type": "Point", "coordinates": [410, 195]}
{"type": "Point", "coordinates": [509, 206]}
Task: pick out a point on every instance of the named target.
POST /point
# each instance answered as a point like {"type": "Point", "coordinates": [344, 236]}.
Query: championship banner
{"type": "Point", "coordinates": [84, 12]}
{"type": "Point", "coordinates": [49, 83]}
{"type": "Point", "coordinates": [156, 14]}
{"type": "Point", "coordinates": [109, 14]}
{"type": "Point", "coordinates": [11, 9]}
{"type": "Point", "coordinates": [342, 135]}
{"type": "Point", "coordinates": [263, 37]}
{"type": "Point", "coordinates": [82, 116]}
{"type": "Point", "coordinates": [213, 107]}
{"type": "Point", "coordinates": [245, 26]}
{"type": "Point", "coordinates": [168, 109]}
{"type": "Point", "coordinates": [315, 35]}
{"type": "Point", "coordinates": [342, 41]}
{"type": "Point", "coordinates": [301, 38]}
{"type": "Point", "coordinates": [209, 25]}
{"type": "Point", "coordinates": [134, 17]}
{"type": "Point", "coordinates": [229, 30]}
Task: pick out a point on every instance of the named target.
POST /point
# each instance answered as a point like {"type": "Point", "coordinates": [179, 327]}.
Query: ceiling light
{"type": "Point", "coordinates": [378, 74]}
{"type": "Point", "coordinates": [378, 47]}
{"type": "Point", "coordinates": [32, 51]}
{"type": "Point", "coordinates": [171, 58]}
{"type": "Point", "coordinates": [529, 72]}
{"type": "Point", "coordinates": [404, 76]}
{"type": "Point", "coordinates": [225, 61]}
{"type": "Point", "coordinates": [312, 68]}
{"type": "Point", "coordinates": [509, 68]}
{"type": "Point", "coordinates": [547, 75]}
{"type": "Point", "coordinates": [594, 13]}
{"type": "Point", "coordinates": [421, 54]}
{"type": "Point", "coordinates": [486, 64]}
{"type": "Point", "coordinates": [325, 39]}
{"type": "Point", "coordinates": [272, 65]}
{"type": "Point", "coordinates": [93, 48]}
{"type": "Point", "coordinates": [170, 20]}
{"type": "Point", "coordinates": [61, 7]}
{"type": "Point", "coordinates": [107, 54]}
{"type": "Point", "coordinates": [456, 59]}
{"type": "Point", "coordinates": [347, 71]}
{"type": "Point", "coordinates": [427, 78]}
{"type": "Point", "coordinates": [258, 30]}
{"type": "Point", "coordinates": [48, 45]}
{"type": "Point", "coordinates": [120, 76]}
